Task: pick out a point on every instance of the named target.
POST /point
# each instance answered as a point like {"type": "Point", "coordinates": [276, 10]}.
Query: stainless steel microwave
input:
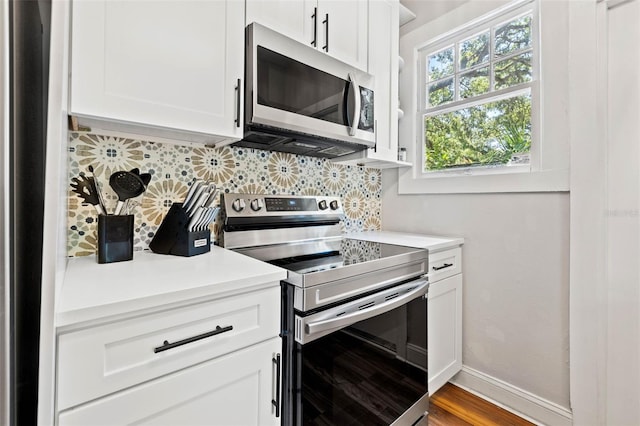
{"type": "Point", "coordinates": [301, 100]}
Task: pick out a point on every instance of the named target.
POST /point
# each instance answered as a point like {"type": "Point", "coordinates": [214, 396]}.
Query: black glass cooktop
{"type": "Point", "coordinates": [344, 252]}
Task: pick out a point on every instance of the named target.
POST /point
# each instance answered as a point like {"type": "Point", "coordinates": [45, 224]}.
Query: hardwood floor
{"type": "Point", "coordinates": [350, 382]}
{"type": "Point", "coordinates": [453, 406]}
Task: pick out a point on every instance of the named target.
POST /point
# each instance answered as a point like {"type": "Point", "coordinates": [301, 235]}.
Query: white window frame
{"type": "Point", "coordinates": [453, 39]}
{"type": "Point", "coordinates": [548, 169]}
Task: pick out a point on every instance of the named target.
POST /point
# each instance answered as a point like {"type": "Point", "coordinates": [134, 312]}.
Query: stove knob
{"type": "Point", "coordinates": [238, 205]}
{"type": "Point", "coordinates": [323, 205]}
{"type": "Point", "coordinates": [257, 204]}
{"type": "Point", "coordinates": [334, 205]}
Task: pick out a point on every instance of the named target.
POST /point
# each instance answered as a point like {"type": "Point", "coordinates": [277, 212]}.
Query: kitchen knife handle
{"type": "Point", "coordinates": [276, 402]}
{"type": "Point", "coordinates": [314, 42]}
{"type": "Point", "coordinates": [166, 345]}
{"type": "Point", "coordinates": [326, 33]}
{"type": "Point", "coordinates": [237, 120]}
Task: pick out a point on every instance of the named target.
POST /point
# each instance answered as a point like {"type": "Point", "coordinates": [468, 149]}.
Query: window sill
{"type": "Point", "coordinates": [537, 181]}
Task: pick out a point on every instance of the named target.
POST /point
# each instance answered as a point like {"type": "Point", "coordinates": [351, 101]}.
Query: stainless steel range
{"type": "Point", "coordinates": [353, 312]}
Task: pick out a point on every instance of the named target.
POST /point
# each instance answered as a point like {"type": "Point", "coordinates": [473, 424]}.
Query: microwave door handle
{"type": "Point", "coordinates": [351, 318]}
{"type": "Point", "coordinates": [354, 93]}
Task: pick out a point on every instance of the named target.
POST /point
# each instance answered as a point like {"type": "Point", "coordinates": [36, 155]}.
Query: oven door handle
{"type": "Point", "coordinates": [338, 319]}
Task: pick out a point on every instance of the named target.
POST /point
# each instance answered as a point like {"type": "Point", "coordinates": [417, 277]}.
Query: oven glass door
{"type": "Point", "coordinates": [368, 373]}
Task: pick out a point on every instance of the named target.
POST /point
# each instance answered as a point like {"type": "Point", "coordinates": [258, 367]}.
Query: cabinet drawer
{"type": "Point", "coordinates": [444, 264]}
{"type": "Point", "coordinates": [100, 360]}
{"type": "Point", "coordinates": [235, 389]}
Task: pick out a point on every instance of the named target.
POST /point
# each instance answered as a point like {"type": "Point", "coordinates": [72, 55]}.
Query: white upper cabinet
{"type": "Point", "coordinates": [161, 64]}
{"type": "Point", "coordinates": [342, 30]}
{"type": "Point", "coordinates": [289, 17]}
{"type": "Point", "coordinates": [383, 40]}
{"type": "Point", "coordinates": [338, 27]}
{"type": "Point", "coordinates": [383, 64]}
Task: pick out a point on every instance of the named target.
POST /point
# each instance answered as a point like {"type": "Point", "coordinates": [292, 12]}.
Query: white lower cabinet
{"type": "Point", "coordinates": [205, 362]}
{"type": "Point", "coordinates": [444, 323]}
{"type": "Point", "coordinates": [236, 389]}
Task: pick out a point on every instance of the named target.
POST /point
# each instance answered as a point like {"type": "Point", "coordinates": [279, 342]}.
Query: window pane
{"type": "Point", "coordinates": [494, 133]}
{"type": "Point", "coordinates": [440, 92]}
{"type": "Point", "coordinates": [474, 83]}
{"type": "Point", "coordinates": [474, 51]}
{"type": "Point", "coordinates": [514, 35]}
{"type": "Point", "coordinates": [512, 71]}
{"type": "Point", "coordinates": [440, 65]}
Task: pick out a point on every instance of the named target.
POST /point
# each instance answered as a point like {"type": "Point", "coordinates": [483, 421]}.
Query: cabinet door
{"type": "Point", "coordinates": [383, 64]}
{"type": "Point", "coordinates": [344, 36]}
{"type": "Point", "coordinates": [292, 18]}
{"type": "Point", "coordinates": [444, 335]}
{"type": "Point", "coordinates": [170, 64]}
{"type": "Point", "coordinates": [233, 390]}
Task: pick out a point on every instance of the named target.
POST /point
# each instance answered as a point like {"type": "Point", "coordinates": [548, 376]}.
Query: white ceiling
{"type": "Point", "coordinates": [427, 10]}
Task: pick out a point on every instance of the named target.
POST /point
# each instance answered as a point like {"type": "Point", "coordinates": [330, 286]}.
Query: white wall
{"type": "Point", "coordinates": [516, 279]}
{"type": "Point", "coordinates": [623, 214]}
{"type": "Point", "coordinates": [425, 10]}
{"type": "Point", "coordinates": [515, 258]}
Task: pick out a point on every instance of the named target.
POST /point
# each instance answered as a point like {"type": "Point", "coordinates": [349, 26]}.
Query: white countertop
{"type": "Point", "coordinates": [430, 242]}
{"type": "Point", "coordinates": [93, 291]}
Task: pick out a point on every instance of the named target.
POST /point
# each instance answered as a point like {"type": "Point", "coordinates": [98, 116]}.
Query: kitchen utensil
{"type": "Point", "coordinates": [194, 196]}
{"type": "Point", "coordinates": [126, 185]}
{"type": "Point", "coordinates": [212, 198]}
{"type": "Point", "coordinates": [195, 219]}
{"type": "Point", "coordinates": [190, 192]}
{"type": "Point", "coordinates": [206, 217]}
{"type": "Point", "coordinates": [131, 205]}
{"type": "Point", "coordinates": [146, 178]}
{"type": "Point", "coordinates": [204, 195]}
{"type": "Point", "coordinates": [85, 188]}
{"type": "Point", "coordinates": [98, 189]}
{"type": "Point", "coordinates": [211, 217]}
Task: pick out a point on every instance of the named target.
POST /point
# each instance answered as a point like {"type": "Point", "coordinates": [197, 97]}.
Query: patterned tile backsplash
{"type": "Point", "coordinates": [233, 169]}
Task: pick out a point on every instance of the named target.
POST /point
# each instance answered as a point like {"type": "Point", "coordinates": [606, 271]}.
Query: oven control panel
{"type": "Point", "coordinates": [256, 205]}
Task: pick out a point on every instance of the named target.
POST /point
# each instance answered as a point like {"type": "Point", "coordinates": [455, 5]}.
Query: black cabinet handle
{"type": "Point", "coordinates": [314, 43]}
{"type": "Point", "coordinates": [237, 120]}
{"type": "Point", "coordinates": [326, 32]}
{"type": "Point", "coordinates": [166, 345]}
{"type": "Point", "coordinates": [276, 402]}
{"type": "Point", "coordinates": [446, 265]}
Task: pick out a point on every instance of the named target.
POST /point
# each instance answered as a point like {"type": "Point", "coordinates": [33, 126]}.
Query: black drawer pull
{"type": "Point", "coordinates": [446, 265]}
{"type": "Point", "coordinates": [314, 43]}
{"type": "Point", "coordinates": [237, 120]}
{"type": "Point", "coordinates": [326, 33]}
{"type": "Point", "coordinates": [276, 402]}
{"type": "Point", "coordinates": [166, 345]}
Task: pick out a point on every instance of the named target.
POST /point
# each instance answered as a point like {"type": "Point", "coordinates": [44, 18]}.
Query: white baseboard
{"type": "Point", "coordinates": [525, 404]}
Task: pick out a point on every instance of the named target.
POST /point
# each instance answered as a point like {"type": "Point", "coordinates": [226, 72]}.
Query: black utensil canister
{"type": "Point", "coordinates": [115, 238]}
